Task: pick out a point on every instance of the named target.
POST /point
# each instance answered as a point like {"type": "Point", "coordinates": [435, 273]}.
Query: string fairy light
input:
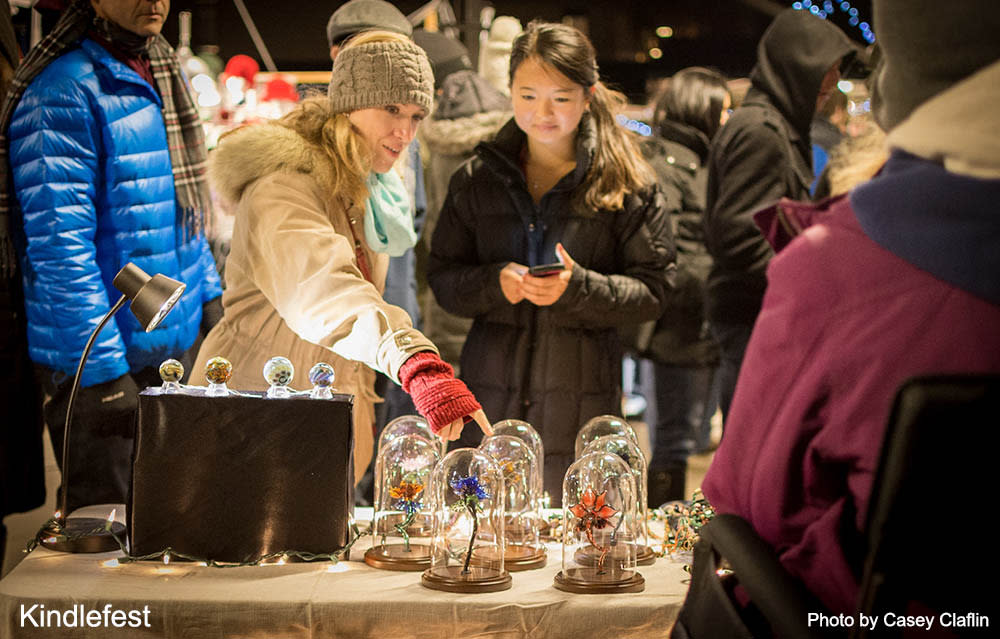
{"type": "Point", "coordinates": [168, 554]}
{"type": "Point", "coordinates": [826, 9]}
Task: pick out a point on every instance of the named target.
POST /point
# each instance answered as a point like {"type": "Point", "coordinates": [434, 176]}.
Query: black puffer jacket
{"type": "Point", "coordinates": [560, 365]}
{"type": "Point", "coordinates": [763, 154]}
{"type": "Point", "coordinates": [681, 336]}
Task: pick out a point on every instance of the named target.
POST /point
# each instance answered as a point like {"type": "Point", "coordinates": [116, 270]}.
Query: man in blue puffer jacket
{"type": "Point", "coordinates": [106, 161]}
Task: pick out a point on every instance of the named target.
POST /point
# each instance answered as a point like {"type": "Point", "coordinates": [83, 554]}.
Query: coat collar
{"type": "Point", "coordinates": [939, 221]}
{"type": "Point", "coordinates": [116, 68]}
{"type": "Point", "coordinates": [687, 136]}
{"type": "Point", "coordinates": [502, 155]}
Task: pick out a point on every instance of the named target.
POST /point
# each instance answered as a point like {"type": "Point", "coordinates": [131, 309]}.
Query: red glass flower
{"type": "Point", "coordinates": [592, 512]}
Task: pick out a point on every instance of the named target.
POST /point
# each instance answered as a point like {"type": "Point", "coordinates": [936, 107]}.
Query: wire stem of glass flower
{"type": "Point", "coordinates": [403, 525]}
{"type": "Point", "coordinates": [472, 540]}
{"type": "Point", "coordinates": [604, 549]}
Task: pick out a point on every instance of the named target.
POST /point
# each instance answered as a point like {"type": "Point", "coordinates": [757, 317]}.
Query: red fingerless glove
{"type": "Point", "coordinates": [435, 392]}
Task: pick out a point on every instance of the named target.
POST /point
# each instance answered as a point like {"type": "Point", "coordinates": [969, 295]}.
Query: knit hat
{"type": "Point", "coordinates": [379, 73]}
{"type": "Point", "coordinates": [927, 47]}
{"type": "Point", "coordinates": [365, 15]}
{"type": "Point", "coordinates": [447, 55]}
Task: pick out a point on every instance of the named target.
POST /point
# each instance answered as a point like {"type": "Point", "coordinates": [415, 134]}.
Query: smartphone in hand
{"type": "Point", "coordinates": [544, 270]}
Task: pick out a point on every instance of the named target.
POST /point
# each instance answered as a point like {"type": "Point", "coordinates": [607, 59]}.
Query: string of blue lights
{"type": "Point", "coordinates": [826, 8]}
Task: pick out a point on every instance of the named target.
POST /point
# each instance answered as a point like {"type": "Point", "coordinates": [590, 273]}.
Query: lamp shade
{"type": "Point", "coordinates": [152, 297]}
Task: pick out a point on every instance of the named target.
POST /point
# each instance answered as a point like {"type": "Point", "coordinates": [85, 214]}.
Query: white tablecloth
{"type": "Point", "coordinates": [304, 600]}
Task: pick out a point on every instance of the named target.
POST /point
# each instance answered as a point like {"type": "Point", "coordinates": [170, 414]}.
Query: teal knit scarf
{"type": "Point", "coordinates": [388, 215]}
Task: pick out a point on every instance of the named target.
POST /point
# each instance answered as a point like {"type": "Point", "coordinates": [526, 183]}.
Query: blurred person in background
{"type": "Point", "coordinates": [467, 110]}
{"type": "Point", "coordinates": [763, 154]}
{"type": "Point", "coordinates": [828, 129]}
{"type": "Point", "coordinates": [680, 354]}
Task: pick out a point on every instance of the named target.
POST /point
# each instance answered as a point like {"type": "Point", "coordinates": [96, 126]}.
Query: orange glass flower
{"type": "Point", "coordinates": [592, 511]}
{"type": "Point", "coordinates": [406, 491]}
{"type": "Point", "coordinates": [510, 474]}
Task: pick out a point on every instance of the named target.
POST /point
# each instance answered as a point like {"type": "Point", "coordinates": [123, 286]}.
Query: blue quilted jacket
{"type": "Point", "coordinates": [92, 174]}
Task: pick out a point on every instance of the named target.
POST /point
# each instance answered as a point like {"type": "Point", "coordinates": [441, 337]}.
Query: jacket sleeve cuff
{"type": "Point", "coordinates": [397, 347]}
{"type": "Point", "coordinates": [435, 391]}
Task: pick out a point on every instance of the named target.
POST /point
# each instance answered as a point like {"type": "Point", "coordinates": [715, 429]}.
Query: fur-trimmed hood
{"type": "Point", "coordinates": [253, 151]}
{"type": "Point", "coordinates": [461, 135]}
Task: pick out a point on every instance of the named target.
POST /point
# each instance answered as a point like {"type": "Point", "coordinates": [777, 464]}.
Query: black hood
{"type": "Point", "coordinates": [793, 55]}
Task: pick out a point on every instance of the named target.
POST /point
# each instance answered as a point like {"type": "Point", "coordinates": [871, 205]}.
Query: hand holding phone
{"type": "Point", "coordinates": [544, 290]}
{"type": "Point", "coordinates": [544, 270]}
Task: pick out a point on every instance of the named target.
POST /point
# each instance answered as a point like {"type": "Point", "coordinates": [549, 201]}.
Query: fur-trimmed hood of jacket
{"type": "Point", "coordinates": [461, 135]}
{"type": "Point", "coordinates": [253, 151]}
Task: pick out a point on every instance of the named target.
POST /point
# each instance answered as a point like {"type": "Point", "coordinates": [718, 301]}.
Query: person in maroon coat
{"type": "Point", "coordinates": [896, 279]}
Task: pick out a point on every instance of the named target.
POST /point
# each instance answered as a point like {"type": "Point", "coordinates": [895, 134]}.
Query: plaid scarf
{"type": "Point", "coordinates": [185, 136]}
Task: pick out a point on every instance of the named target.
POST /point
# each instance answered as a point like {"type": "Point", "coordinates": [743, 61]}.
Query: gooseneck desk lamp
{"type": "Point", "coordinates": [152, 298]}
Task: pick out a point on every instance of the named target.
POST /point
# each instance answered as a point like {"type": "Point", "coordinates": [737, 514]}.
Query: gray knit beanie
{"type": "Point", "coordinates": [379, 73]}
{"type": "Point", "coordinates": [926, 47]}
{"type": "Point", "coordinates": [365, 15]}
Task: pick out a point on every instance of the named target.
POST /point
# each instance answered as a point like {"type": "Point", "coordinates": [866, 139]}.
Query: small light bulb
{"type": "Point", "coordinates": [166, 558]}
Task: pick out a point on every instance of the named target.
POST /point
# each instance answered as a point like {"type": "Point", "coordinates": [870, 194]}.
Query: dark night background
{"type": "Point", "coordinates": [718, 33]}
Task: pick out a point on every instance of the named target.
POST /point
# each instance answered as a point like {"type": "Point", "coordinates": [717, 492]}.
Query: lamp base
{"type": "Point", "coordinates": [81, 534]}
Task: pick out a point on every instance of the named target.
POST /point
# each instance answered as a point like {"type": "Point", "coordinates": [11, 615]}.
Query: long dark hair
{"type": "Point", "coordinates": [695, 96]}
{"type": "Point", "coordinates": [618, 167]}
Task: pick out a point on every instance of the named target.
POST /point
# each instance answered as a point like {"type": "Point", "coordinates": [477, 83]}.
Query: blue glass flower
{"type": "Point", "coordinates": [466, 487]}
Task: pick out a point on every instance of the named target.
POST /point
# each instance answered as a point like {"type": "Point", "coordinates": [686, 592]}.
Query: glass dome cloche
{"type": "Point", "coordinates": [601, 528]}
{"type": "Point", "coordinates": [401, 525]}
{"type": "Point", "coordinates": [523, 548]}
{"type": "Point", "coordinates": [526, 432]}
{"type": "Point", "coordinates": [600, 426]}
{"type": "Point", "coordinates": [625, 448]}
{"type": "Point", "coordinates": [411, 425]}
{"type": "Point", "coordinates": [466, 496]}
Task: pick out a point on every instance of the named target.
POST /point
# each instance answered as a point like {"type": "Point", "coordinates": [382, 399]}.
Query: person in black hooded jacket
{"type": "Point", "coordinates": [761, 155]}
{"type": "Point", "coordinates": [561, 179]}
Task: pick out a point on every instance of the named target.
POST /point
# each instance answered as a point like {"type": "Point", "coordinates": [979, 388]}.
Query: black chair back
{"type": "Point", "coordinates": [929, 510]}
{"type": "Point", "coordinates": [730, 553]}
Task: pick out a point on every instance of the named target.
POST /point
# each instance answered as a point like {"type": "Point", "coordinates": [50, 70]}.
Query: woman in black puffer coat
{"type": "Point", "coordinates": [561, 181]}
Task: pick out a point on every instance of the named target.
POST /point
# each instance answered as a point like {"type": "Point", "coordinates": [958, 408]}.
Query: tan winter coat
{"type": "Point", "coordinates": [293, 287]}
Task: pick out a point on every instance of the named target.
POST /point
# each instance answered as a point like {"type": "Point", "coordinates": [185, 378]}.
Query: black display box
{"type": "Point", "coordinates": [233, 478]}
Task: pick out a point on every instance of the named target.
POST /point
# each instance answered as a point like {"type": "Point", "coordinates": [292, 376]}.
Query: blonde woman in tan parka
{"type": "Point", "coordinates": [318, 212]}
